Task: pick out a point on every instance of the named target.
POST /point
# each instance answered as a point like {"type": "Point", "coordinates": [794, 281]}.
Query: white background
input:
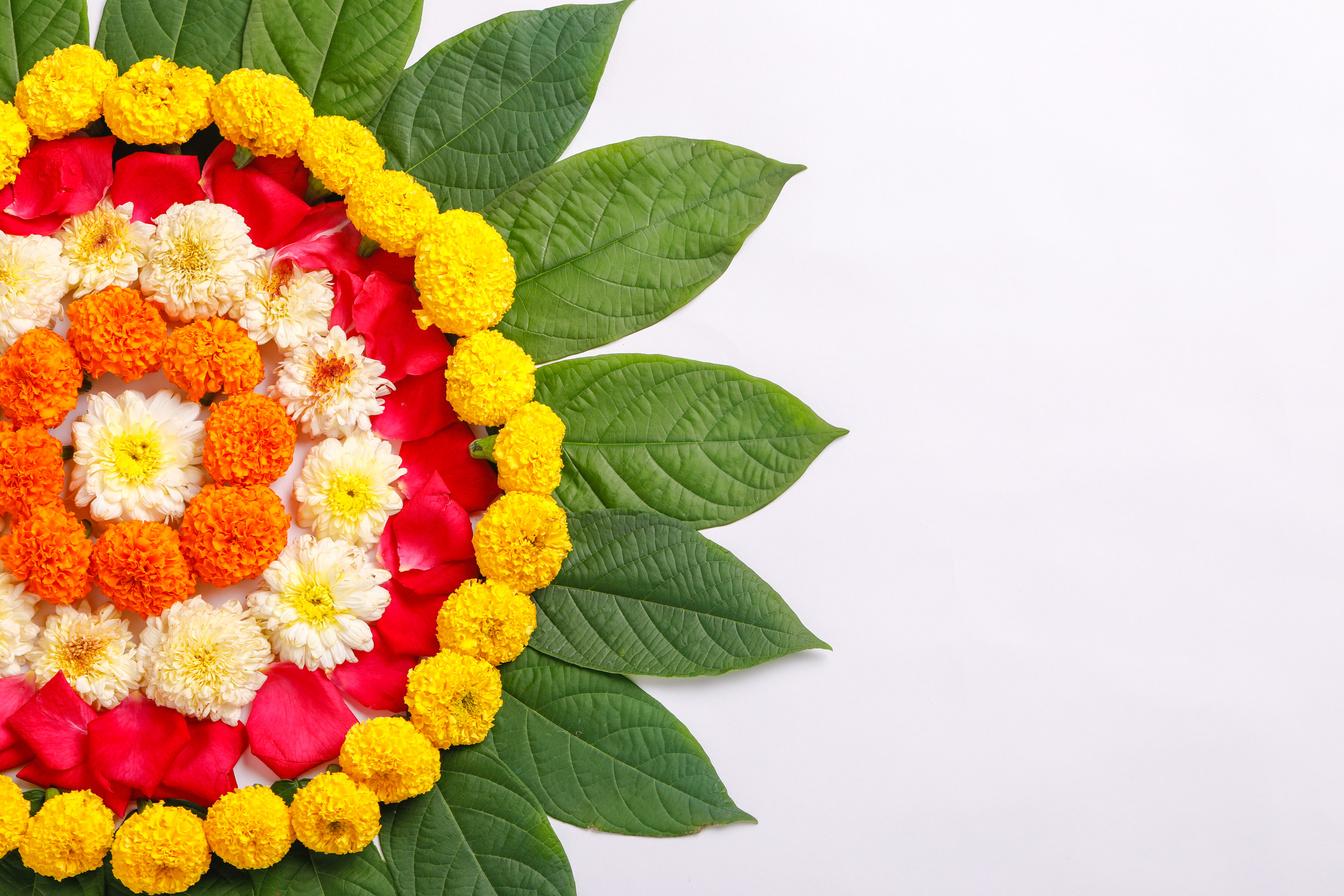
{"type": "Point", "coordinates": [1070, 272]}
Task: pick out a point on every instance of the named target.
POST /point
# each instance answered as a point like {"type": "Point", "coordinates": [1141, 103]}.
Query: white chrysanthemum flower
{"type": "Point", "coordinates": [320, 596]}
{"type": "Point", "coordinates": [204, 661]}
{"type": "Point", "coordinates": [345, 488]}
{"type": "Point", "coordinates": [199, 260]}
{"type": "Point", "coordinates": [137, 458]}
{"type": "Point", "coordinates": [104, 247]}
{"type": "Point", "coordinates": [34, 278]}
{"type": "Point", "coordinates": [285, 303]}
{"type": "Point", "coordinates": [18, 632]}
{"type": "Point", "coordinates": [94, 650]}
{"type": "Point", "coordinates": [328, 387]}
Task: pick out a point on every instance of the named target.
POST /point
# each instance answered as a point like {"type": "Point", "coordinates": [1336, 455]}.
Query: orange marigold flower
{"type": "Point", "coordinates": [49, 550]}
{"type": "Point", "coordinates": [116, 331]}
{"type": "Point", "coordinates": [40, 378]}
{"type": "Point", "coordinates": [33, 471]}
{"type": "Point", "coordinates": [140, 566]}
{"type": "Point", "coordinates": [249, 440]}
{"type": "Point", "coordinates": [212, 355]}
{"type": "Point", "coordinates": [233, 532]}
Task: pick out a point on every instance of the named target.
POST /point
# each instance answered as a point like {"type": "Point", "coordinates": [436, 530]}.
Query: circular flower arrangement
{"type": "Point", "coordinates": [277, 451]}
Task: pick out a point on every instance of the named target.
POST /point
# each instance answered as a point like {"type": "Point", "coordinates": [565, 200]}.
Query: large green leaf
{"type": "Point", "coordinates": [614, 239]}
{"type": "Point", "coordinates": [208, 33]}
{"type": "Point", "coordinates": [346, 55]}
{"type": "Point", "coordinates": [479, 831]}
{"type": "Point", "coordinates": [17, 880]}
{"type": "Point", "coordinates": [641, 594]}
{"type": "Point", "coordinates": [221, 880]}
{"type": "Point", "coordinates": [599, 752]}
{"type": "Point", "coordinates": [31, 29]}
{"type": "Point", "coordinates": [307, 873]}
{"type": "Point", "coordinates": [701, 443]}
{"type": "Point", "coordinates": [483, 110]}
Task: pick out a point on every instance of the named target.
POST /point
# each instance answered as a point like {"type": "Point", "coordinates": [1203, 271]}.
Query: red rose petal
{"type": "Point", "coordinates": [431, 528]}
{"type": "Point", "coordinates": [473, 482]}
{"type": "Point", "coordinates": [297, 721]}
{"type": "Point", "coordinates": [66, 177]}
{"type": "Point", "coordinates": [384, 313]}
{"type": "Point", "coordinates": [409, 625]}
{"type": "Point", "coordinates": [135, 742]}
{"type": "Point", "coordinates": [418, 408]}
{"type": "Point", "coordinates": [203, 771]}
{"type": "Point", "coordinates": [287, 171]}
{"type": "Point", "coordinates": [395, 266]}
{"type": "Point", "coordinates": [323, 239]}
{"type": "Point", "coordinates": [15, 691]}
{"type": "Point", "coordinates": [55, 724]}
{"type": "Point", "coordinates": [346, 286]}
{"type": "Point", "coordinates": [81, 777]}
{"type": "Point", "coordinates": [377, 679]}
{"type": "Point", "coordinates": [43, 226]}
{"type": "Point", "coordinates": [153, 181]}
{"type": "Point", "coordinates": [269, 207]}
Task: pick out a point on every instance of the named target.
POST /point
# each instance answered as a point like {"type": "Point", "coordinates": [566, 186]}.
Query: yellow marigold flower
{"type": "Point", "coordinates": [522, 540]}
{"type": "Point", "coordinates": [338, 150]}
{"type": "Point", "coordinates": [33, 471]}
{"type": "Point", "coordinates": [158, 101]}
{"type": "Point", "coordinates": [161, 849]}
{"type": "Point", "coordinates": [487, 620]}
{"type": "Point", "coordinates": [14, 142]}
{"type": "Point", "coordinates": [334, 814]}
{"type": "Point", "coordinates": [13, 815]}
{"type": "Point", "coordinates": [69, 835]}
{"type": "Point", "coordinates": [40, 378]}
{"type": "Point", "coordinates": [464, 272]}
{"type": "Point", "coordinates": [267, 114]}
{"type": "Point", "coordinates": [390, 208]}
{"type": "Point", "coordinates": [527, 450]}
{"type": "Point", "coordinates": [391, 758]}
{"type": "Point", "coordinates": [64, 92]}
{"type": "Point", "coordinates": [249, 828]}
{"type": "Point", "coordinates": [232, 532]}
{"type": "Point", "coordinates": [141, 568]}
{"type": "Point", "coordinates": [249, 440]}
{"type": "Point", "coordinates": [116, 331]}
{"type": "Point", "coordinates": [212, 355]}
{"type": "Point", "coordinates": [453, 698]}
{"type": "Point", "coordinates": [488, 378]}
{"type": "Point", "coordinates": [49, 550]}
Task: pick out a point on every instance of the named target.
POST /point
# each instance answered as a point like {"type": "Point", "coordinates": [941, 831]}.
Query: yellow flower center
{"type": "Point", "coordinates": [330, 373]}
{"type": "Point", "coordinates": [351, 495]}
{"type": "Point", "coordinates": [137, 456]}
{"type": "Point", "coordinates": [192, 257]}
{"type": "Point", "coordinates": [314, 602]}
{"type": "Point", "coordinates": [82, 654]}
{"type": "Point", "coordinates": [99, 238]}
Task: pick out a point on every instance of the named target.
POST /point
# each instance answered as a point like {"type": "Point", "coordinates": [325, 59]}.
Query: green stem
{"type": "Point", "coordinates": [87, 383]}
{"type": "Point", "coordinates": [483, 449]}
{"type": "Point", "coordinates": [242, 157]}
{"type": "Point", "coordinates": [52, 793]}
{"type": "Point", "coordinates": [316, 190]}
{"type": "Point", "coordinates": [367, 247]}
{"type": "Point", "coordinates": [173, 149]}
{"type": "Point", "coordinates": [67, 452]}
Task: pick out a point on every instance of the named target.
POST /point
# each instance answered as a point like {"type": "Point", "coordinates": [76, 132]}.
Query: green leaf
{"type": "Point", "coordinates": [31, 29]}
{"type": "Point", "coordinates": [701, 443]}
{"type": "Point", "coordinates": [614, 239]}
{"type": "Point", "coordinates": [307, 873]}
{"type": "Point", "coordinates": [345, 55]}
{"type": "Point", "coordinates": [480, 831]}
{"type": "Point", "coordinates": [285, 788]}
{"type": "Point", "coordinates": [483, 110]}
{"type": "Point", "coordinates": [599, 752]}
{"type": "Point", "coordinates": [205, 33]}
{"type": "Point", "coordinates": [641, 594]}
{"type": "Point", "coordinates": [221, 880]}
{"type": "Point", "coordinates": [17, 880]}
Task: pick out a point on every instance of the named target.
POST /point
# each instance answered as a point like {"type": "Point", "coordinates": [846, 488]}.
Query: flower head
{"type": "Point", "coordinates": [13, 815]}
{"type": "Point", "coordinates": [391, 208]}
{"type": "Point", "coordinates": [267, 114]}
{"type": "Point", "coordinates": [319, 597]}
{"type": "Point", "coordinates": [69, 835]}
{"type": "Point", "coordinates": [453, 698]}
{"type": "Point", "coordinates": [34, 278]}
{"type": "Point", "coordinates": [95, 651]}
{"type": "Point", "coordinates": [140, 567]}
{"type": "Point", "coordinates": [488, 378]}
{"type": "Point", "coordinates": [329, 387]}
{"type": "Point", "coordinates": [116, 331]}
{"type": "Point", "coordinates": [158, 101]}
{"type": "Point", "coordinates": [204, 661]}
{"type": "Point", "coordinates": [464, 272]}
{"type": "Point", "coordinates": [49, 551]}
{"type": "Point", "coordinates": [391, 758]}
{"type": "Point", "coordinates": [199, 260]}
{"type": "Point", "coordinates": [63, 92]}
{"type": "Point", "coordinates": [233, 532]}
{"type": "Point", "coordinates": [527, 450]}
{"type": "Point", "coordinates": [249, 827]}
{"type": "Point", "coordinates": [522, 540]}
{"type": "Point", "coordinates": [212, 355]}
{"type": "Point", "coordinates": [285, 303]}
{"type": "Point", "coordinates": [487, 620]}
{"type": "Point", "coordinates": [333, 814]}
{"type": "Point", "coordinates": [345, 489]}
{"type": "Point", "coordinates": [33, 472]}
{"type": "Point", "coordinates": [18, 632]}
{"type": "Point", "coordinates": [104, 247]}
{"type": "Point", "coordinates": [14, 142]}
{"type": "Point", "coordinates": [249, 440]}
{"type": "Point", "coordinates": [137, 458]}
{"type": "Point", "coordinates": [160, 849]}
{"type": "Point", "coordinates": [338, 150]}
{"type": "Point", "coordinates": [40, 378]}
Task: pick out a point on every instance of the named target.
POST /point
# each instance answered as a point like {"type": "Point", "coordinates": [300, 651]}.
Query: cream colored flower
{"type": "Point", "coordinates": [320, 596]}
{"type": "Point", "coordinates": [204, 661]}
{"type": "Point", "coordinates": [328, 387]}
{"type": "Point", "coordinates": [285, 303]}
{"type": "Point", "coordinates": [18, 632]}
{"type": "Point", "coordinates": [137, 458]}
{"type": "Point", "coordinates": [345, 488]}
{"type": "Point", "coordinates": [34, 278]}
{"type": "Point", "coordinates": [199, 260]}
{"type": "Point", "coordinates": [93, 649]}
{"type": "Point", "coordinates": [104, 247]}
